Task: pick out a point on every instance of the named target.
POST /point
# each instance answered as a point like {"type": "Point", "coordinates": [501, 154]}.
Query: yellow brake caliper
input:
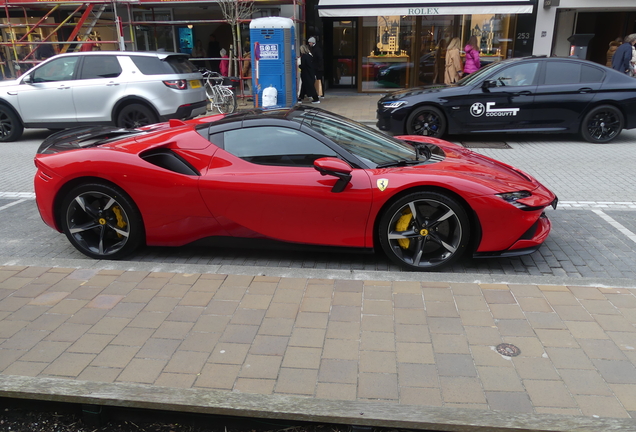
{"type": "Point", "coordinates": [120, 219]}
{"type": "Point", "coordinates": [401, 225]}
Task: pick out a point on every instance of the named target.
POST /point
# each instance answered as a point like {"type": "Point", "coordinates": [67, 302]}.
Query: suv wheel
{"type": "Point", "coordinates": [10, 125]}
{"type": "Point", "coordinates": [135, 115]}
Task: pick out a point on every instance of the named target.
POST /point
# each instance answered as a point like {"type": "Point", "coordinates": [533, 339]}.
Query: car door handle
{"type": "Point", "coordinates": [112, 83]}
{"type": "Point", "coordinates": [63, 87]}
{"type": "Point", "coordinates": [585, 90]}
{"type": "Point", "coordinates": [523, 93]}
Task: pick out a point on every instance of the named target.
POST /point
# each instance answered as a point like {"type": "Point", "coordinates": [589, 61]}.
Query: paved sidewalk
{"type": "Point", "coordinates": [409, 346]}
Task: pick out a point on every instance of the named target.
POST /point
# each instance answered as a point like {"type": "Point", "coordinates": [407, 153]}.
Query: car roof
{"type": "Point", "coordinates": [160, 54]}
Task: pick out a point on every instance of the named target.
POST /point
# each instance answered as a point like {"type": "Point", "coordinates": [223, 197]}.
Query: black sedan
{"type": "Point", "coordinates": [530, 94]}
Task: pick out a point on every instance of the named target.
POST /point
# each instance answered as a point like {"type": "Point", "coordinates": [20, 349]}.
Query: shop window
{"type": "Point", "coordinates": [387, 52]}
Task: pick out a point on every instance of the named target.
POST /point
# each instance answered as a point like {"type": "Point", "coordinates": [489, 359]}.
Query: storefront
{"type": "Point", "coordinates": [375, 46]}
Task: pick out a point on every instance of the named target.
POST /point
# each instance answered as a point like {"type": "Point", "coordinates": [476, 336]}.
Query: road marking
{"type": "Point", "coordinates": [25, 195]}
{"type": "Point", "coordinates": [11, 204]}
{"type": "Point", "coordinates": [616, 225]}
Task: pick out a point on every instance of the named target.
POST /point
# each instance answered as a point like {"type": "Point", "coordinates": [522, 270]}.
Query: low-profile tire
{"type": "Point", "coordinates": [101, 221]}
{"type": "Point", "coordinates": [11, 127]}
{"type": "Point", "coordinates": [427, 121]}
{"type": "Point", "coordinates": [135, 115]}
{"type": "Point", "coordinates": [424, 231]}
{"type": "Point", "coordinates": [602, 124]}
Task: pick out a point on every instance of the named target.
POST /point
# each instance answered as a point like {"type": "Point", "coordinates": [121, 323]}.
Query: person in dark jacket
{"type": "Point", "coordinates": [214, 51]}
{"type": "Point", "coordinates": [307, 75]}
{"type": "Point", "coordinates": [319, 66]}
{"type": "Point", "coordinates": [623, 55]}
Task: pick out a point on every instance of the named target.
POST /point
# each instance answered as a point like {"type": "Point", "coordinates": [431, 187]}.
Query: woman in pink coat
{"type": "Point", "coordinates": [224, 65]}
{"type": "Point", "coordinates": [472, 63]}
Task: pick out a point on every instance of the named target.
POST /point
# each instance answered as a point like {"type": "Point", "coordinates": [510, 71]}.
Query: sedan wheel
{"type": "Point", "coordinates": [602, 124]}
{"type": "Point", "coordinates": [134, 116]}
{"type": "Point", "coordinates": [427, 121]}
{"type": "Point", "coordinates": [424, 231]}
{"type": "Point", "coordinates": [101, 221]}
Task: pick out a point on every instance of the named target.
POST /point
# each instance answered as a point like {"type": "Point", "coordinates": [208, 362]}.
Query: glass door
{"type": "Point", "coordinates": [344, 66]}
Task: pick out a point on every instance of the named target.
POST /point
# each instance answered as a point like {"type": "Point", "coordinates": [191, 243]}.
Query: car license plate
{"type": "Point", "coordinates": [195, 83]}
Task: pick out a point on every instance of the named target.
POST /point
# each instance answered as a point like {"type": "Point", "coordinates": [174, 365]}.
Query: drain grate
{"type": "Point", "coordinates": [508, 350]}
{"type": "Point", "coordinates": [486, 144]}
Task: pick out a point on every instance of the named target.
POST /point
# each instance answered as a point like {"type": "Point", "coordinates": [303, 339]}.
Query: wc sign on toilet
{"type": "Point", "coordinates": [268, 51]}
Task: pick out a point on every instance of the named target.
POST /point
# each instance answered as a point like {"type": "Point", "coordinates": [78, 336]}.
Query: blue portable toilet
{"type": "Point", "coordinates": [273, 61]}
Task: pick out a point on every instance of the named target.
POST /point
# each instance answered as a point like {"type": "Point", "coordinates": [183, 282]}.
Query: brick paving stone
{"type": "Point", "coordinates": [616, 371]}
{"type": "Point", "coordinates": [175, 380]}
{"type": "Point", "coordinates": [420, 396]}
{"type": "Point", "coordinates": [378, 386]}
{"type": "Point", "coordinates": [175, 330]}
{"type": "Point", "coordinates": [161, 349]}
{"type": "Point", "coordinates": [535, 368]}
{"type": "Point", "coordinates": [556, 338]}
{"type": "Point", "coordinates": [586, 330]}
{"type": "Point", "coordinates": [482, 335]}
{"type": "Point", "coordinates": [261, 366]}
{"type": "Point", "coordinates": [125, 310]}
{"type": "Point", "coordinates": [115, 356]}
{"type": "Point", "coordinates": [585, 382]}
{"type": "Point", "coordinates": [509, 401]}
{"type": "Point", "coordinates": [90, 343]}
{"type": "Point", "coordinates": [514, 327]}
{"type": "Point", "coordinates": [377, 341]}
{"type": "Point", "coordinates": [455, 365]}
{"type": "Point", "coordinates": [410, 333]}
{"type": "Point", "coordinates": [406, 300]}
{"type": "Point", "coordinates": [471, 303]}
{"type": "Point", "coordinates": [296, 381]}
{"type": "Point", "coordinates": [302, 357]}
{"type": "Point", "coordinates": [378, 307]}
{"type": "Point", "coordinates": [255, 386]}
{"type": "Point", "coordinates": [573, 358]}
{"type": "Point", "coordinates": [341, 349]}
{"type": "Point", "coordinates": [476, 318]}
{"type": "Point", "coordinates": [185, 314]}
{"type": "Point", "coordinates": [68, 332]}
{"type": "Point", "coordinates": [248, 316]}
{"type": "Point", "coordinates": [506, 311]}
{"type": "Point", "coordinates": [601, 406]}
{"type": "Point", "coordinates": [187, 362]}
{"type": "Point", "coordinates": [99, 374]}
{"type": "Point", "coordinates": [229, 353]}
{"type": "Point", "coordinates": [69, 365]}
{"type": "Point", "coordinates": [26, 368]}
{"type": "Point", "coordinates": [336, 391]}
{"type": "Point", "coordinates": [599, 307]}
{"type": "Point", "coordinates": [545, 320]}
{"type": "Point", "coordinates": [626, 394]}
{"type": "Point", "coordinates": [144, 371]}
{"type": "Point", "coordinates": [449, 343]}
{"type": "Point", "coordinates": [132, 336]}
{"type": "Point", "coordinates": [614, 323]}
{"type": "Point", "coordinates": [534, 304]}
{"type": "Point", "coordinates": [408, 352]}
{"type": "Point", "coordinates": [109, 325]}
{"type": "Point", "coordinates": [343, 330]}
{"type": "Point", "coordinates": [48, 322]}
{"type": "Point", "coordinates": [377, 362]}
{"type": "Point", "coordinates": [441, 309]}
{"type": "Point", "coordinates": [45, 351]}
{"type": "Point", "coordinates": [461, 390]}
{"type": "Point", "coordinates": [379, 323]}
{"type": "Point", "coordinates": [409, 316]}
{"type": "Point", "coordinates": [445, 325]}
{"type": "Point", "coordinates": [307, 337]}
{"type": "Point", "coordinates": [269, 345]}
{"type": "Point", "coordinates": [338, 371]}
{"type": "Point", "coordinates": [552, 394]}
{"type": "Point", "coordinates": [200, 341]}
{"type": "Point", "coordinates": [573, 313]}
{"type": "Point", "coordinates": [499, 297]}
{"type": "Point", "coordinates": [218, 376]}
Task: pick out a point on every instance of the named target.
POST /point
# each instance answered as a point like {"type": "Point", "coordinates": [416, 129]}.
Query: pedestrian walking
{"type": "Point", "coordinates": [224, 64]}
{"type": "Point", "coordinates": [307, 75]}
{"type": "Point", "coordinates": [623, 55]}
{"type": "Point", "coordinates": [472, 63]}
{"type": "Point", "coordinates": [613, 46]}
{"type": "Point", "coordinates": [319, 66]}
{"type": "Point", "coordinates": [453, 63]}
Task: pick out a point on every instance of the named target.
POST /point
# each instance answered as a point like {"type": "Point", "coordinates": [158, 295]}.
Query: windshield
{"type": "Point", "coordinates": [371, 146]}
{"type": "Point", "coordinates": [481, 73]}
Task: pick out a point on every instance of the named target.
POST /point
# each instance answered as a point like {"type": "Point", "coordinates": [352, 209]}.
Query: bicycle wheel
{"type": "Point", "coordinates": [228, 101]}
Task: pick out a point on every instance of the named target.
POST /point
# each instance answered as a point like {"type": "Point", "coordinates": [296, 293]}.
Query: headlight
{"type": "Point", "coordinates": [512, 198]}
{"type": "Point", "coordinates": [393, 105]}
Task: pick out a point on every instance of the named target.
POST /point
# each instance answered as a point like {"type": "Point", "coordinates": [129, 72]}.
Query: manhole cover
{"type": "Point", "coordinates": [508, 350]}
{"type": "Point", "coordinates": [486, 144]}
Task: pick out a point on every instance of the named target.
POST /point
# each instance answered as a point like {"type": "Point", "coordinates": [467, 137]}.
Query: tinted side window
{"type": "Point", "coordinates": [61, 69]}
{"type": "Point", "coordinates": [590, 74]}
{"type": "Point", "coordinates": [100, 67]}
{"type": "Point", "coordinates": [518, 75]}
{"type": "Point", "coordinates": [170, 65]}
{"type": "Point", "coordinates": [560, 72]}
{"type": "Point", "coordinates": [273, 145]}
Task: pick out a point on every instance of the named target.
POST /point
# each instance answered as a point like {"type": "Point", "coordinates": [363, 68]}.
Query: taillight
{"type": "Point", "coordinates": [177, 84]}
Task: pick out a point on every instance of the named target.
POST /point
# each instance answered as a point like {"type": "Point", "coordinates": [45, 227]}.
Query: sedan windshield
{"type": "Point", "coordinates": [369, 145]}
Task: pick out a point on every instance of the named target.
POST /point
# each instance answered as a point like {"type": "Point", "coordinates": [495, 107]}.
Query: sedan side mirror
{"type": "Point", "coordinates": [27, 79]}
{"type": "Point", "coordinates": [335, 167]}
{"type": "Point", "coordinates": [488, 84]}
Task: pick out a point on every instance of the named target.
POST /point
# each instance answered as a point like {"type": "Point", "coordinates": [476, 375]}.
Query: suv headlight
{"type": "Point", "coordinates": [393, 105]}
{"type": "Point", "coordinates": [512, 198]}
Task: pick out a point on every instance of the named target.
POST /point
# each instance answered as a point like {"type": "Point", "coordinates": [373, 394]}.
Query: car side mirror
{"type": "Point", "coordinates": [335, 167]}
{"type": "Point", "coordinates": [27, 79]}
{"type": "Point", "coordinates": [488, 84]}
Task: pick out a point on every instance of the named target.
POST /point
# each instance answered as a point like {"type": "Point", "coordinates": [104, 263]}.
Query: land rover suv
{"type": "Point", "coordinates": [126, 89]}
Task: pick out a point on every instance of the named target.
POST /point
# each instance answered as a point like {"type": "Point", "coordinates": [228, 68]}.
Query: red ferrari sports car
{"type": "Point", "coordinates": [300, 175]}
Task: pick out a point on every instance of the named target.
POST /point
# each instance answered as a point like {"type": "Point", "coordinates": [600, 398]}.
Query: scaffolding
{"type": "Point", "coordinates": [33, 30]}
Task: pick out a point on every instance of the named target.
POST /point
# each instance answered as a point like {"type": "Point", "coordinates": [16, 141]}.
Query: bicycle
{"type": "Point", "coordinates": [219, 94]}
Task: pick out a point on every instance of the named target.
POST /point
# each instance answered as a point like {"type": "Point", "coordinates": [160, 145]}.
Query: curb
{"type": "Point", "coordinates": [217, 402]}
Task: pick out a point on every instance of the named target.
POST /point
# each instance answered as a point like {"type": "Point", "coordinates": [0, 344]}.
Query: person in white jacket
{"type": "Point", "coordinates": [632, 64]}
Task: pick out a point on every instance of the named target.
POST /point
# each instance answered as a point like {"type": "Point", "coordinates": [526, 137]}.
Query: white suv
{"type": "Point", "coordinates": [126, 89]}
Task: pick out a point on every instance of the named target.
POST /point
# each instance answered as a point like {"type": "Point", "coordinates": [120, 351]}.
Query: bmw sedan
{"type": "Point", "coordinates": [531, 94]}
{"type": "Point", "coordinates": [302, 176]}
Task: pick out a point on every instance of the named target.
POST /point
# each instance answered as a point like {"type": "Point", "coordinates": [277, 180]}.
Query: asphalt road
{"type": "Point", "coordinates": [593, 237]}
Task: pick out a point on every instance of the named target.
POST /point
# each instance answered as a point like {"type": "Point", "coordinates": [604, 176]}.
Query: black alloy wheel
{"type": "Point", "coordinates": [101, 221]}
{"type": "Point", "coordinates": [427, 121]}
{"type": "Point", "coordinates": [424, 231]}
{"type": "Point", "coordinates": [135, 115]}
{"type": "Point", "coordinates": [10, 125]}
{"type": "Point", "coordinates": [602, 124]}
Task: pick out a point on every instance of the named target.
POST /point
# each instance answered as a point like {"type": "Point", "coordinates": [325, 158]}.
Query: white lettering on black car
{"type": "Point", "coordinates": [477, 110]}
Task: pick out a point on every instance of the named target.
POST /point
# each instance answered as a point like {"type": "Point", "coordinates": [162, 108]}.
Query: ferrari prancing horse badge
{"type": "Point", "coordinates": [382, 184]}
